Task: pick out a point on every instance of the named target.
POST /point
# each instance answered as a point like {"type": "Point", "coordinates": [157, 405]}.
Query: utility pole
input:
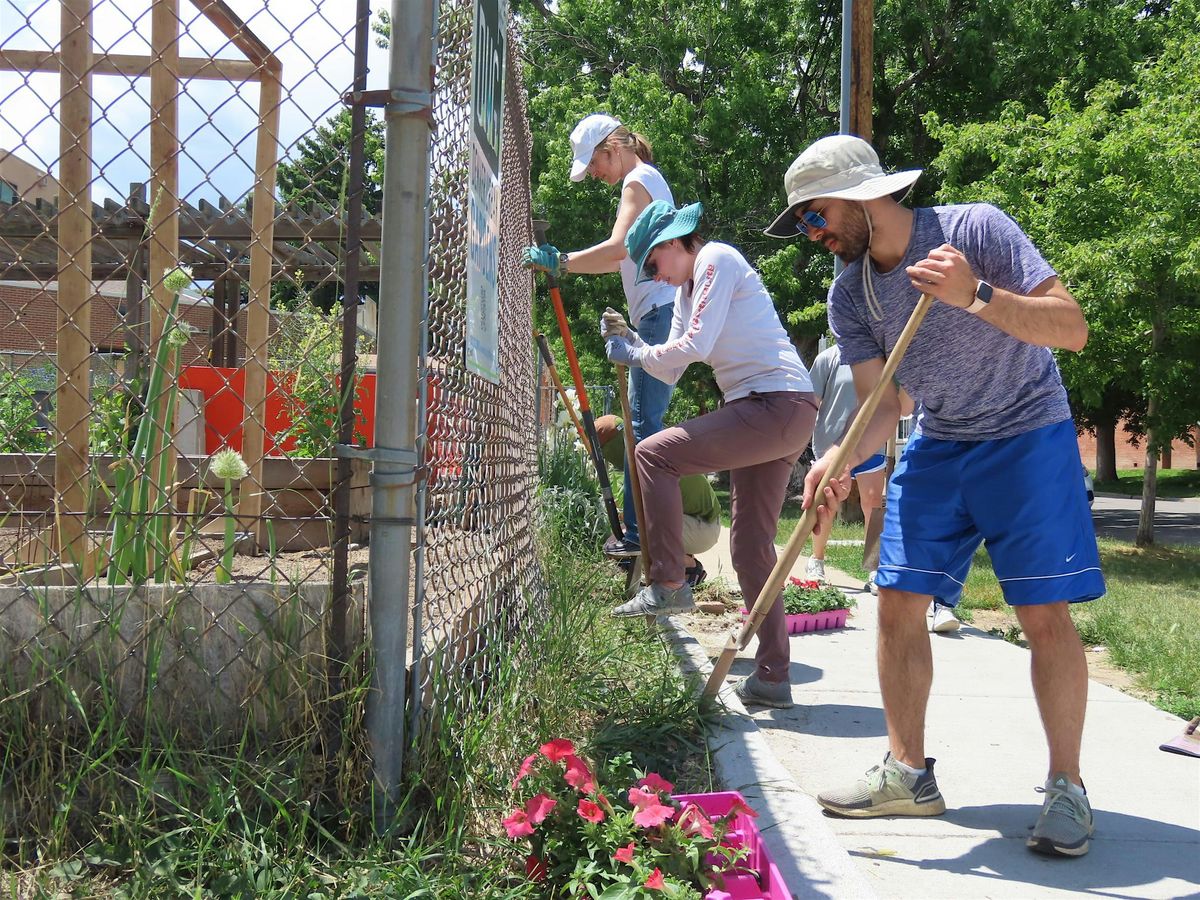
{"type": "Point", "coordinates": [862, 68]}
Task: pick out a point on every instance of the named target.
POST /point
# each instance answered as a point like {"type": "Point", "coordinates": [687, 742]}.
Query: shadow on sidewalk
{"type": "Point", "coordinates": [1127, 851]}
{"type": "Point", "coordinates": [839, 720]}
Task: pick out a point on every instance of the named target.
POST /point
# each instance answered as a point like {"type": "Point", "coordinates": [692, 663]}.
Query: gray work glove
{"type": "Point", "coordinates": [612, 324]}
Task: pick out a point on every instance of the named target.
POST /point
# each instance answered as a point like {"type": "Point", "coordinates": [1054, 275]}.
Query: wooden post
{"type": "Point", "coordinates": [862, 69]}
{"type": "Point", "coordinates": [258, 311]}
{"type": "Point", "coordinates": [75, 288]}
{"type": "Point", "coordinates": [164, 218]}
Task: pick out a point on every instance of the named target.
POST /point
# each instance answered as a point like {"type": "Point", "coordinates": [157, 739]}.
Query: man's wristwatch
{"type": "Point", "coordinates": [562, 263]}
{"type": "Point", "coordinates": [983, 296]}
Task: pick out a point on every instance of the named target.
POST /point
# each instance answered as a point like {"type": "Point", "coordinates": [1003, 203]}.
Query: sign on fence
{"type": "Point", "coordinates": [489, 49]}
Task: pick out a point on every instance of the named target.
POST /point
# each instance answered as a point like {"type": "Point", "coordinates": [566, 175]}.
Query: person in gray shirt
{"type": "Point", "coordinates": [994, 456]}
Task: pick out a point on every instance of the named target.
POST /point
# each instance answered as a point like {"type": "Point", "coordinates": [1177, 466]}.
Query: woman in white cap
{"type": "Point", "coordinates": [723, 317]}
{"type": "Point", "coordinates": [607, 150]}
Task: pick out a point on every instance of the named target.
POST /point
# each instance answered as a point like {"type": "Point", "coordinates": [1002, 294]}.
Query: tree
{"type": "Point", "coordinates": [1110, 190]}
{"type": "Point", "coordinates": [317, 175]}
{"type": "Point", "coordinates": [728, 93]}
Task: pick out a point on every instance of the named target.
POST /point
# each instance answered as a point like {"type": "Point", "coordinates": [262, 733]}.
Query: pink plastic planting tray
{"type": "Point", "coordinates": [760, 879]}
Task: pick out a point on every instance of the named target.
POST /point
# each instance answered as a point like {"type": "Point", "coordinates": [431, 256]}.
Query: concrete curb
{"type": "Point", "coordinates": [809, 855]}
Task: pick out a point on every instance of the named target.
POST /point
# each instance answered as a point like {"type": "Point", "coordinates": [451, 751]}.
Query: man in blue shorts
{"type": "Point", "coordinates": [994, 457]}
{"type": "Point", "coordinates": [833, 386]}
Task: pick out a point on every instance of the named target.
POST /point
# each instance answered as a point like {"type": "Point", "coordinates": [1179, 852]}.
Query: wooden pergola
{"type": "Point", "coordinates": [167, 231]}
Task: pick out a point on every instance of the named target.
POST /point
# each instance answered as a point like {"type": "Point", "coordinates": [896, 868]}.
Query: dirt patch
{"type": "Point", "coordinates": [1003, 623]}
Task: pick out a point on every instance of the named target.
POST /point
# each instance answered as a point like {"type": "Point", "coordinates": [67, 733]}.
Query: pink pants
{"type": "Point", "coordinates": [758, 438]}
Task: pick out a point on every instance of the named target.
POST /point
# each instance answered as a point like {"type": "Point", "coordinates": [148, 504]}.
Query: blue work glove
{"type": "Point", "coordinates": [620, 350]}
{"type": "Point", "coordinates": [545, 257]}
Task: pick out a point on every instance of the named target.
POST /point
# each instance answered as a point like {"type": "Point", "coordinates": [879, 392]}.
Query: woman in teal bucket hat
{"type": "Point", "coordinates": [723, 317]}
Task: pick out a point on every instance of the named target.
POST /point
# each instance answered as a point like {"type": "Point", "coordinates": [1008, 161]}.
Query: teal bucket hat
{"type": "Point", "coordinates": [659, 222]}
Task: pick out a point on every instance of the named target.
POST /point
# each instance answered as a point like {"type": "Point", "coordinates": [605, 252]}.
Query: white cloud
{"type": "Point", "coordinates": [313, 39]}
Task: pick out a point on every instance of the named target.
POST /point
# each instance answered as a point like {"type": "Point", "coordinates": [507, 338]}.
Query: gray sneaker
{"type": "Point", "coordinates": [656, 600]}
{"type": "Point", "coordinates": [887, 790]}
{"type": "Point", "coordinates": [753, 691]}
{"type": "Point", "coordinates": [1065, 826]}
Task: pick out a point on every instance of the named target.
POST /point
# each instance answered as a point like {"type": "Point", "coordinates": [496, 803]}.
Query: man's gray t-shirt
{"type": "Point", "coordinates": [972, 380]}
{"type": "Point", "coordinates": [834, 386]}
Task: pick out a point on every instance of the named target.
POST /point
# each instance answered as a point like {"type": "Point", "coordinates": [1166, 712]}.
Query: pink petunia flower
{"type": "Point", "coordinates": [526, 767]}
{"type": "Point", "coordinates": [656, 782]}
{"type": "Point", "coordinates": [557, 749]}
{"type": "Point", "coordinates": [625, 854]}
{"type": "Point", "coordinates": [590, 811]}
{"type": "Point", "coordinates": [655, 881]}
{"type": "Point", "coordinates": [652, 814]}
{"type": "Point", "coordinates": [693, 821]}
{"type": "Point", "coordinates": [640, 798]}
{"type": "Point", "coordinates": [517, 825]}
{"type": "Point", "coordinates": [538, 807]}
{"type": "Point", "coordinates": [740, 807]}
{"type": "Point", "coordinates": [578, 775]}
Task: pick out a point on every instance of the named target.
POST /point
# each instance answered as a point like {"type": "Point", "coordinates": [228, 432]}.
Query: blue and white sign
{"type": "Point", "coordinates": [489, 59]}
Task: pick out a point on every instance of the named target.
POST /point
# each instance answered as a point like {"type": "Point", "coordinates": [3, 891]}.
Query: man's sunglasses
{"type": "Point", "coordinates": [809, 219]}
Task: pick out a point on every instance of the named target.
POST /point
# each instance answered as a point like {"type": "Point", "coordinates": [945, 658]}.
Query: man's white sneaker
{"type": "Point", "coordinates": [815, 569]}
{"type": "Point", "coordinates": [943, 620]}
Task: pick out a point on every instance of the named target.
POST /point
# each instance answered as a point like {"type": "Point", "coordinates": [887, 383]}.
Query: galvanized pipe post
{"type": "Point", "coordinates": [402, 276]}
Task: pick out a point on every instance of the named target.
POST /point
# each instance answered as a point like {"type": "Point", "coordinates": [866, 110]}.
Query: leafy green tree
{"type": "Point", "coordinates": [728, 93]}
{"type": "Point", "coordinates": [317, 176]}
{"type": "Point", "coordinates": [1110, 190]}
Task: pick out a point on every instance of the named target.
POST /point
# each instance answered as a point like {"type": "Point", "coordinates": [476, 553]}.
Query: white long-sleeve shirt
{"type": "Point", "coordinates": [724, 317]}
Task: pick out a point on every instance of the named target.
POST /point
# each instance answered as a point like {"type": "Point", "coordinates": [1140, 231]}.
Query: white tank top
{"type": "Point", "coordinates": [645, 296]}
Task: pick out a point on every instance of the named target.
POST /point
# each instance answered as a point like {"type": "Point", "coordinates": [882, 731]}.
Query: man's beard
{"type": "Point", "coordinates": [854, 238]}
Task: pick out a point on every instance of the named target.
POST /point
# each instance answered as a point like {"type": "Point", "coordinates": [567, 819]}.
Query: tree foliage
{"type": "Point", "coordinates": [1109, 188]}
{"type": "Point", "coordinates": [729, 92]}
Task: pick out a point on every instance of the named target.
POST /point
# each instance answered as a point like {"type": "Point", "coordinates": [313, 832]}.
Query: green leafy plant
{"type": "Point", "coordinates": [801, 596]}
{"type": "Point", "coordinates": [613, 835]}
{"type": "Point", "coordinates": [19, 429]}
{"type": "Point", "coordinates": [142, 516]}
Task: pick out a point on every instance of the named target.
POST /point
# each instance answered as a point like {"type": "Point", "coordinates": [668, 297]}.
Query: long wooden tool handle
{"type": "Point", "coordinates": [635, 482]}
{"type": "Point", "coordinates": [770, 592]}
{"type": "Point", "coordinates": [548, 359]}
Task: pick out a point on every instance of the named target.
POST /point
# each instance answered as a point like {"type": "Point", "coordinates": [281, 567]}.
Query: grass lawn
{"type": "Point", "coordinates": [1149, 620]}
{"type": "Point", "coordinates": [1171, 483]}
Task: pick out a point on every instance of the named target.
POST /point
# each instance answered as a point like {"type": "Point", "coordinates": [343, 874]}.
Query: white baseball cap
{"type": "Point", "coordinates": [587, 135]}
{"type": "Point", "coordinates": [840, 166]}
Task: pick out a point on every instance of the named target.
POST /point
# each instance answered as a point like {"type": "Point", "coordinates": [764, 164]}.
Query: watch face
{"type": "Point", "coordinates": [984, 292]}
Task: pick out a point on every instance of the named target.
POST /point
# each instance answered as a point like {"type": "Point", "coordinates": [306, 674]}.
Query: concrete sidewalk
{"type": "Point", "coordinates": [984, 730]}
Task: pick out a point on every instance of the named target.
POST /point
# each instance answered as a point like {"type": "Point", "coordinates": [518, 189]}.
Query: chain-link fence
{"type": "Point", "coordinates": [477, 572]}
{"type": "Point", "coordinates": [138, 559]}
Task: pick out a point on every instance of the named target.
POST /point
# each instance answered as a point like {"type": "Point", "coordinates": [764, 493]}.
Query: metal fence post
{"type": "Point", "coordinates": [401, 309]}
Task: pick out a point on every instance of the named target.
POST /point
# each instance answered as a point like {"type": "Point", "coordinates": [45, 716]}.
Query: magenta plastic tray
{"type": "Point", "coordinates": [802, 622]}
{"type": "Point", "coordinates": [760, 878]}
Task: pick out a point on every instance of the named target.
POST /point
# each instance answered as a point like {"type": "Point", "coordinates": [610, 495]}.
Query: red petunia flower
{"type": "Point", "coordinates": [526, 767]}
{"type": "Point", "coordinates": [692, 821]}
{"type": "Point", "coordinates": [740, 807]}
{"type": "Point", "coordinates": [517, 825]}
{"type": "Point", "coordinates": [535, 868]}
{"type": "Point", "coordinates": [655, 881]}
{"type": "Point", "coordinates": [590, 811]}
{"type": "Point", "coordinates": [578, 775]}
{"type": "Point", "coordinates": [538, 807]}
{"type": "Point", "coordinates": [625, 854]}
{"type": "Point", "coordinates": [652, 814]}
{"type": "Point", "coordinates": [557, 749]}
{"type": "Point", "coordinates": [656, 782]}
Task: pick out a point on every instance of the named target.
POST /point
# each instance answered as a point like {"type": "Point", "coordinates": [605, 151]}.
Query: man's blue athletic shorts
{"type": "Point", "coordinates": [1021, 495]}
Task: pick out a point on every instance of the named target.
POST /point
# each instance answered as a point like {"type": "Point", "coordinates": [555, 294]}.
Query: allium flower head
{"type": "Point", "coordinates": [177, 279]}
{"type": "Point", "coordinates": [228, 465]}
{"type": "Point", "coordinates": [177, 336]}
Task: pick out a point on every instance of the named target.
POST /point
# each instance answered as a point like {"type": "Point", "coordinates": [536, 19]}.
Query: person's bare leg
{"type": "Point", "coordinates": [1059, 670]}
{"type": "Point", "coordinates": [905, 672]}
{"type": "Point", "coordinates": [870, 493]}
{"type": "Point", "coordinates": [819, 541]}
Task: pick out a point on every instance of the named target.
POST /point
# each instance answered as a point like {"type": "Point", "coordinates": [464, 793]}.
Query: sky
{"type": "Point", "coordinates": [312, 38]}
